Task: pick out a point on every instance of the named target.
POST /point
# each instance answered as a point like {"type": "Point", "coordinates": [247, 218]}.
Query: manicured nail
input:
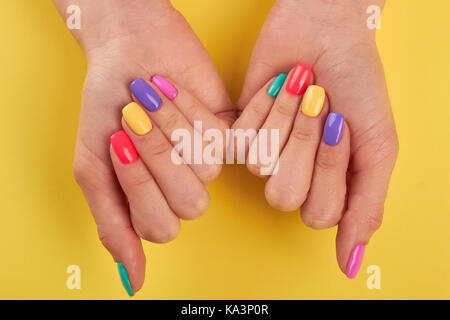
{"type": "Point", "coordinates": [276, 85]}
{"type": "Point", "coordinates": [123, 147]}
{"type": "Point", "coordinates": [333, 128]}
{"type": "Point", "coordinates": [298, 80]}
{"type": "Point", "coordinates": [145, 94]}
{"type": "Point", "coordinates": [313, 101]}
{"type": "Point", "coordinates": [165, 86]}
{"type": "Point", "coordinates": [355, 261]}
{"type": "Point", "coordinates": [124, 277]}
{"type": "Point", "coordinates": [137, 119]}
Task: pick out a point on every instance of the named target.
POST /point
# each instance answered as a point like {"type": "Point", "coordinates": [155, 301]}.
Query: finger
{"type": "Point", "coordinates": [367, 190]}
{"type": "Point", "coordinates": [110, 211]}
{"type": "Point", "coordinates": [191, 107]}
{"type": "Point", "coordinates": [288, 188]}
{"type": "Point", "coordinates": [152, 218]}
{"type": "Point", "coordinates": [253, 117]}
{"type": "Point", "coordinates": [326, 198]}
{"type": "Point", "coordinates": [185, 194]}
{"type": "Point", "coordinates": [281, 116]}
{"type": "Point", "coordinates": [204, 123]}
{"type": "Point", "coordinates": [162, 111]}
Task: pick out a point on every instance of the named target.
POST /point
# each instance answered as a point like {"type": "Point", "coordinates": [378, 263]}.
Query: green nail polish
{"type": "Point", "coordinates": [276, 85]}
{"type": "Point", "coordinates": [124, 277]}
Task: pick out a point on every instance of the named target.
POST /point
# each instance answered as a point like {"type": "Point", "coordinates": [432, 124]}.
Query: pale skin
{"type": "Point", "coordinates": [124, 40]}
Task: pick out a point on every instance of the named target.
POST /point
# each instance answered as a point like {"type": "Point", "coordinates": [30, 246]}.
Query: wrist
{"type": "Point", "coordinates": [339, 16]}
{"type": "Point", "coordinates": [106, 23]}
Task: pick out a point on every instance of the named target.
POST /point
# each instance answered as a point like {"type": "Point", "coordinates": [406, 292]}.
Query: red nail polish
{"type": "Point", "coordinates": [123, 147]}
{"type": "Point", "coordinates": [298, 81]}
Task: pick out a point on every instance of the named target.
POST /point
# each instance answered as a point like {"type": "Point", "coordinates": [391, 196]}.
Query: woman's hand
{"type": "Point", "coordinates": [123, 41]}
{"type": "Point", "coordinates": [333, 39]}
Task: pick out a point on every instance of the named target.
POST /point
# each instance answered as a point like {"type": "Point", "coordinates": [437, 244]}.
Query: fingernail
{"type": "Point", "coordinates": [298, 80]}
{"type": "Point", "coordinates": [333, 128]}
{"type": "Point", "coordinates": [145, 94]}
{"type": "Point", "coordinates": [123, 147]}
{"type": "Point", "coordinates": [355, 261]}
{"type": "Point", "coordinates": [137, 119]}
{"type": "Point", "coordinates": [276, 85]}
{"type": "Point", "coordinates": [313, 101]}
{"type": "Point", "coordinates": [124, 277]}
{"type": "Point", "coordinates": [165, 86]}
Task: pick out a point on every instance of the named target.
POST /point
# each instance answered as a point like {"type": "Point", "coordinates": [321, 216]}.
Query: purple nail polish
{"type": "Point", "coordinates": [145, 94]}
{"type": "Point", "coordinates": [333, 128]}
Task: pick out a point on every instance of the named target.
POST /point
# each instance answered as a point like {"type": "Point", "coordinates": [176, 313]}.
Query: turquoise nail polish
{"type": "Point", "coordinates": [276, 85]}
{"type": "Point", "coordinates": [124, 277]}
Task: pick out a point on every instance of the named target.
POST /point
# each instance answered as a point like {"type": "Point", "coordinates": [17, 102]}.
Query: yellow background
{"type": "Point", "coordinates": [241, 248]}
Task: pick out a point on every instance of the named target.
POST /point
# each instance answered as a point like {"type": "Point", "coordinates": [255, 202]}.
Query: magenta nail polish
{"type": "Point", "coordinates": [355, 261]}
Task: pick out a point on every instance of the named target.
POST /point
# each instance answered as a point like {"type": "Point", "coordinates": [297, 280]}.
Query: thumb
{"type": "Point", "coordinates": [367, 191]}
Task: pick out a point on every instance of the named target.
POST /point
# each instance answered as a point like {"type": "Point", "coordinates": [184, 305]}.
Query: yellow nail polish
{"type": "Point", "coordinates": [137, 119]}
{"type": "Point", "coordinates": [313, 101]}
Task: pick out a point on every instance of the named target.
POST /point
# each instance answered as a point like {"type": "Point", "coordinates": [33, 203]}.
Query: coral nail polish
{"type": "Point", "coordinates": [276, 85]}
{"type": "Point", "coordinates": [123, 147]}
{"type": "Point", "coordinates": [165, 86]}
{"type": "Point", "coordinates": [298, 80]}
{"type": "Point", "coordinates": [333, 128]}
{"type": "Point", "coordinates": [146, 95]}
{"type": "Point", "coordinates": [124, 278]}
{"type": "Point", "coordinates": [355, 261]}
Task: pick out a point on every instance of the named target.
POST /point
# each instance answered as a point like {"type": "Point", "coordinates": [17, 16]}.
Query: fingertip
{"type": "Point", "coordinates": [134, 262]}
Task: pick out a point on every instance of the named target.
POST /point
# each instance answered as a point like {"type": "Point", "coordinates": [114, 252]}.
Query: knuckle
{"type": "Point", "coordinates": [192, 111]}
{"type": "Point", "coordinates": [387, 148]}
{"type": "Point", "coordinates": [106, 240]}
{"type": "Point", "coordinates": [163, 234]}
{"type": "Point", "coordinates": [374, 217]}
{"type": "Point", "coordinates": [382, 148]}
{"type": "Point", "coordinates": [210, 173]}
{"type": "Point", "coordinates": [325, 161]}
{"type": "Point", "coordinates": [284, 198]}
{"type": "Point", "coordinates": [194, 205]}
{"type": "Point", "coordinates": [159, 149]}
{"type": "Point", "coordinates": [171, 121]}
{"type": "Point", "coordinates": [319, 220]}
{"type": "Point", "coordinates": [285, 110]}
{"type": "Point", "coordinates": [139, 180]}
{"type": "Point", "coordinates": [82, 173]}
{"type": "Point", "coordinates": [323, 213]}
{"type": "Point", "coordinates": [303, 134]}
{"type": "Point", "coordinates": [110, 238]}
{"type": "Point", "coordinates": [257, 111]}
{"type": "Point", "coordinates": [254, 168]}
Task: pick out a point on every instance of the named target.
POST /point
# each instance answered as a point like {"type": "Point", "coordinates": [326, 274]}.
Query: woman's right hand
{"type": "Point", "coordinates": [123, 42]}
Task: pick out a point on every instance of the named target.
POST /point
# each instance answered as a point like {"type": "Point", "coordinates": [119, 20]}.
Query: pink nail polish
{"type": "Point", "coordinates": [165, 87]}
{"type": "Point", "coordinates": [355, 261]}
